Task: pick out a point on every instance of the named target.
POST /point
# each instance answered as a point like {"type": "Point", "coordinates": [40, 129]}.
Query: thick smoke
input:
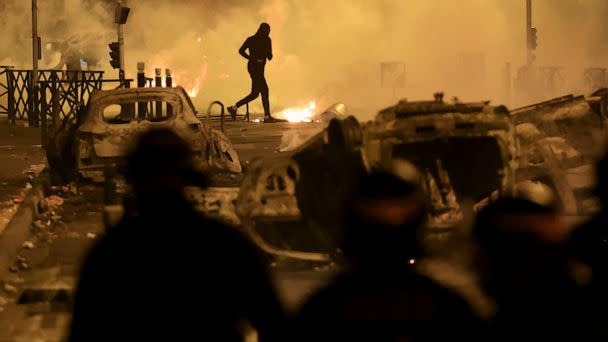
{"type": "Point", "coordinates": [328, 51]}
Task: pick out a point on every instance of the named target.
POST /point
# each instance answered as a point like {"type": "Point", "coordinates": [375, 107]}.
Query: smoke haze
{"type": "Point", "coordinates": [328, 51]}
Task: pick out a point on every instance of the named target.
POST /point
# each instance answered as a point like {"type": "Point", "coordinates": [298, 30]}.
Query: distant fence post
{"type": "Point", "coordinates": [169, 84]}
{"type": "Point", "coordinates": [10, 77]}
{"type": "Point", "coordinates": [141, 82]}
{"type": "Point", "coordinates": [31, 99]}
{"type": "Point", "coordinates": [158, 79]}
{"type": "Point", "coordinates": [43, 111]}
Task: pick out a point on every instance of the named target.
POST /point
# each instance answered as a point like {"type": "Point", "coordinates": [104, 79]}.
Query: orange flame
{"type": "Point", "coordinates": [298, 114]}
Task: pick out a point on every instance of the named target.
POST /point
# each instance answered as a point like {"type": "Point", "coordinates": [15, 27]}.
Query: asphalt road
{"type": "Point", "coordinates": [21, 157]}
{"type": "Point", "coordinates": [49, 262]}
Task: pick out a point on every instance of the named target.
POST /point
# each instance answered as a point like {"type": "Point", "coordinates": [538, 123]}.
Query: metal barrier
{"type": "Point", "coordinates": [16, 87]}
{"type": "Point", "coordinates": [5, 100]}
{"type": "Point", "coordinates": [221, 116]}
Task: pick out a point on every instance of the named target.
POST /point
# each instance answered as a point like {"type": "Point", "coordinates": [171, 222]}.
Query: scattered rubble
{"type": "Point", "coordinates": [54, 201]}
{"type": "Point", "coordinates": [39, 224]}
{"type": "Point", "coordinates": [14, 280]}
{"type": "Point", "coordinates": [35, 169]}
{"type": "Point", "coordinates": [9, 289]}
{"type": "Point", "coordinates": [28, 245]}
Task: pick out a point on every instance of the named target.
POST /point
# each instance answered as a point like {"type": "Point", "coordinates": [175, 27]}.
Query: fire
{"type": "Point", "coordinates": [192, 92]}
{"type": "Point", "coordinates": [298, 114]}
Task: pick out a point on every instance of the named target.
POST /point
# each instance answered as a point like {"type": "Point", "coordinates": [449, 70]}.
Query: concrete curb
{"type": "Point", "coordinates": [18, 230]}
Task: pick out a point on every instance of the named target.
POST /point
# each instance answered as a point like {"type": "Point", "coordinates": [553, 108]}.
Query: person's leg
{"type": "Point", "coordinates": [264, 91]}
{"type": "Point", "coordinates": [265, 98]}
{"type": "Point", "coordinates": [255, 86]}
{"type": "Point", "coordinates": [252, 96]}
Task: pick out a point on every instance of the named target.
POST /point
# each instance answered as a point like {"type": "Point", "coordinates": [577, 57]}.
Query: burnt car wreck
{"type": "Point", "coordinates": [99, 134]}
{"type": "Point", "coordinates": [468, 153]}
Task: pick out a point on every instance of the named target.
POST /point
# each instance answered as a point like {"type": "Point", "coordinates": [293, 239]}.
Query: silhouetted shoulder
{"type": "Point", "coordinates": [385, 308]}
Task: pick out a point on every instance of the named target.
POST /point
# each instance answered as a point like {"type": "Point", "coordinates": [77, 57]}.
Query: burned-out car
{"type": "Point", "coordinates": [110, 121]}
{"type": "Point", "coordinates": [290, 204]}
{"type": "Point", "coordinates": [559, 141]}
{"type": "Point", "coordinates": [466, 152]}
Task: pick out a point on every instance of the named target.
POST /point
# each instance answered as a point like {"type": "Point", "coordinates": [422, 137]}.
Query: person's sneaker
{"type": "Point", "coordinates": [270, 119]}
{"type": "Point", "coordinates": [232, 111]}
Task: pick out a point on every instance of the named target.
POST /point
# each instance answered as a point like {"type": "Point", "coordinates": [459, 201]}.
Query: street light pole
{"type": "Point", "coordinates": [529, 31]}
{"type": "Point", "coordinates": [121, 44]}
{"type": "Point", "coordinates": [35, 57]}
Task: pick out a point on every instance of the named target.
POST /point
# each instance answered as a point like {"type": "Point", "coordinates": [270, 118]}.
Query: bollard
{"type": "Point", "coordinates": [159, 83]}
{"type": "Point", "coordinates": [169, 84]}
{"type": "Point", "coordinates": [141, 75]}
{"type": "Point", "coordinates": [141, 83]}
{"type": "Point", "coordinates": [113, 210]}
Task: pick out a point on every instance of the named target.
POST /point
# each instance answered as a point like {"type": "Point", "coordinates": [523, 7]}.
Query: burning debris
{"type": "Point", "coordinates": [298, 114]}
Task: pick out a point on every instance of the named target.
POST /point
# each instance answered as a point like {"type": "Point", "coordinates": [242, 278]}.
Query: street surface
{"type": "Point", "coordinates": [21, 158]}
{"type": "Point", "coordinates": [48, 263]}
{"type": "Point", "coordinates": [45, 272]}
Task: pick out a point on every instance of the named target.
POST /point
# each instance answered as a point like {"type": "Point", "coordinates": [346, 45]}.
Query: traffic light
{"type": "Point", "coordinates": [122, 14]}
{"type": "Point", "coordinates": [115, 55]}
{"type": "Point", "coordinates": [533, 39]}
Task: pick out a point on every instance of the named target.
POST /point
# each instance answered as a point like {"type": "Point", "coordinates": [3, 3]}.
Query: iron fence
{"type": "Point", "coordinates": [5, 103]}
{"type": "Point", "coordinates": [58, 90]}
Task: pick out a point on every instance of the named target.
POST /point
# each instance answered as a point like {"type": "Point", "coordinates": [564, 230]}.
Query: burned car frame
{"type": "Point", "coordinates": [108, 124]}
{"type": "Point", "coordinates": [466, 152]}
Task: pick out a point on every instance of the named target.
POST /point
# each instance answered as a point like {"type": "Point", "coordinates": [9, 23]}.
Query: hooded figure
{"type": "Point", "coordinates": [210, 276]}
{"type": "Point", "coordinates": [524, 267]}
{"type": "Point", "coordinates": [260, 50]}
{"type": "Point", "coordinates": [382, 296]}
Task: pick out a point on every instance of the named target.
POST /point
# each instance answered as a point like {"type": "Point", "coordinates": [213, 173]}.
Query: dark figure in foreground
{"type": "Point", "coordinates": [382, 297]}
{"type": "Point", "coordinates": [589, 245]}
{"type": "Point", "coordinates": [169, 274]}
{"type": "Point", "coordinates": [524, 266]}
{"type": "Point", "coordinates": [260, 50]}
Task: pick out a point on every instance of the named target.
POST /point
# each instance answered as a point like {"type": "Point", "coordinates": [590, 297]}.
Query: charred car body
{"type": "Point", "coordinates": [102, 131]}
{"type": "Point", "coordinates": [468, 153]}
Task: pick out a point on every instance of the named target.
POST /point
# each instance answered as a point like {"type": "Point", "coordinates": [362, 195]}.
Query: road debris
{"type": "Point", "coordinates": [28, 245]}
{"type": "Point", "coordinates": [9, 289]}
{"type": "Point", "coordinates": [14, 280]}
{"type": "Point", "coordinates": [35, 169]}
{"type": "Point", "coordinates": [91, 235]}
{"type": "Point", "coordinates": [54, 201]}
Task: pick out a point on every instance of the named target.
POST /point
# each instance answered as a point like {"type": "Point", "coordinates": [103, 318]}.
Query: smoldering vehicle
{"type": "Point", "coordinates": [559, 141]}
{"type": "Point", "coordinates": [468, 153]}
{"type": "Point", "coordinates": [102, 131]}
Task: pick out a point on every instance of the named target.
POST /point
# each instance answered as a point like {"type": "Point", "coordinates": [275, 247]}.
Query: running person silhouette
{"type": "Point", "coordinates": [260, 50]}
